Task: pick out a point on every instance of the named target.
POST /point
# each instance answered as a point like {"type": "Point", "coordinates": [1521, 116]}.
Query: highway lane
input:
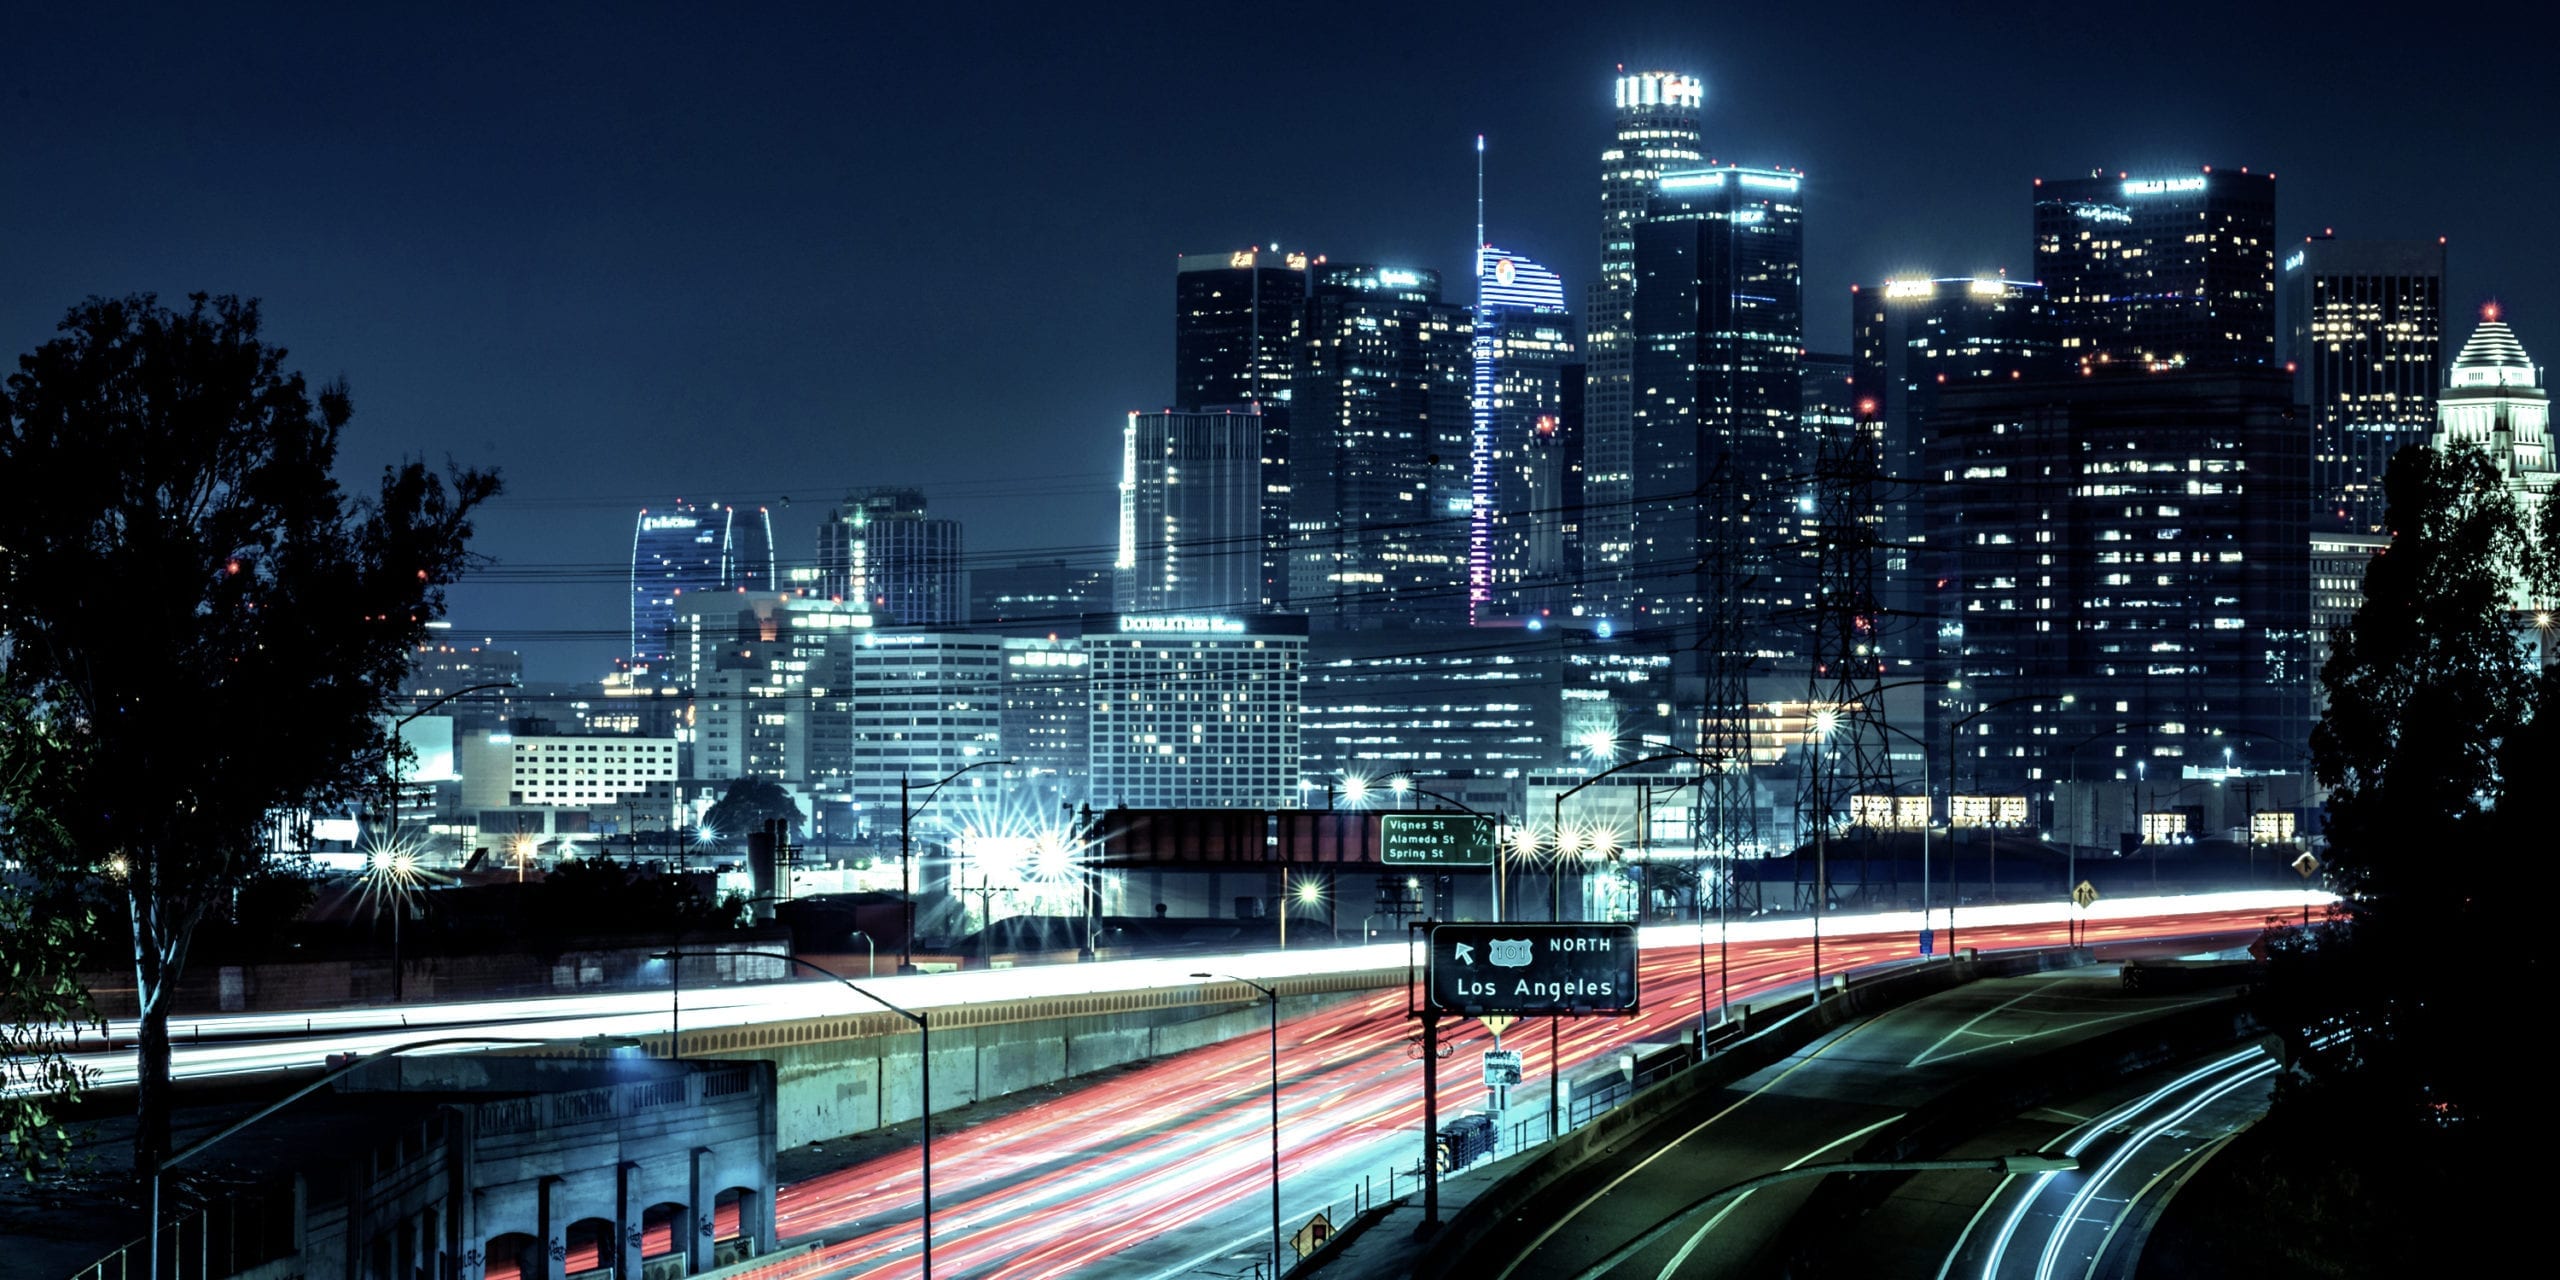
{"type": "Point", "coordinates": [1818, 1105]}
{"type": "Point", "coordinates": [2133, 1152]}
{"type": "Point", "coordinates": [261, 1043]}
{"type": "Point", "coordinates": [1163, 1171]}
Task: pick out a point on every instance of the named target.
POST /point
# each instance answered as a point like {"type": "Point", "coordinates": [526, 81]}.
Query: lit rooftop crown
{"type": "Point", "coordinates": [1661, 89]}
{"type": "Point", "coordinates": [2493, 357]}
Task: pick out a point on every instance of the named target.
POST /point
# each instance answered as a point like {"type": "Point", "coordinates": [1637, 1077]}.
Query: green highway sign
{"type": "Point", "coordinates": [1435, 840]}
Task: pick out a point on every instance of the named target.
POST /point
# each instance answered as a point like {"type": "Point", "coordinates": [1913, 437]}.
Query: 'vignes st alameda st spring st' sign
{"type": "Point", "coordinates": [1530, 970]}
{"type": "Point", "coordinates": [1435, 840]}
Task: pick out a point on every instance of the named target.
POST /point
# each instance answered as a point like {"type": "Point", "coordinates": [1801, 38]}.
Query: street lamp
{"type": "Point", "coordinates": [391, 810]}
{"type": "Point", "coordinates": [392, 873]}
{"type": "Point", "coordinates": [1556, 909]}
{"type": "Point", "coordinates": [907, 811]}
{"type": "Point", "coordinates": [924, 1048]}
{"type": "Point", "coordinates": [1273, 997]}
{"type": "Point", "coordinates": [1955, 886]}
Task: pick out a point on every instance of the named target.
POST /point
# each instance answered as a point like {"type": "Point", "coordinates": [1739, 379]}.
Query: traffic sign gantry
{"type": "Point", "coordinates": [1435, 840]}
{"type": "Point", "coordinates": [1531, 970]}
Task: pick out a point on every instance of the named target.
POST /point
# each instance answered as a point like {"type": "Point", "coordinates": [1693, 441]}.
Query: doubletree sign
{"type": "Point", "coordinates": [1435, 840]}
{"type": "Point", "coordinates": [1531, 969]}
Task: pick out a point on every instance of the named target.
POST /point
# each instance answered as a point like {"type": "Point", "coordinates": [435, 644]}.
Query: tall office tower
{"type": "Point", "coordinates": [1190, 513]}
{"type": "Point", "coordinates": [1047, 718]}
{"type": "Point", "coordinates": [1234, 316]}
{"type": "Point", "coordinates": [1915, 338]}
{"type": "Point", "coordinates": [674, 553]}
{"type": "Point", "coordinates": [2338, 561]}
{"type": "Point", "coordinates": [924, 705]}
{"type": "Point", "coordinates": [1378, 436]}
{"type": "Point", "coordinates": [1519, 564]}
{"type": "Point", "coordinates": [2495, 403]}
{"type": "Point", "coordinates": [1719, 344]}
{"type": "Point", "coordinates": [1657, 130]}
{"type": "Point", "coordinates": [1037, 597]}
{"type": "Point", "coordinates": [2364, 332]}
{"type": "Point", "coordinates": [2133, 540]}
{"type": "Point", "coordinates": [1194, 711]}
{"type": "Point", "coordinates": [2161, 270]}
{"type": "Point", "coordinates": [746, 550]}
{"type": "Point", "coordinates": [878, 546]}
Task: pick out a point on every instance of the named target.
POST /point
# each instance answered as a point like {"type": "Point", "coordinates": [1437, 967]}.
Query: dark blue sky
{"type": "Point", "coordinates": [632, 254]}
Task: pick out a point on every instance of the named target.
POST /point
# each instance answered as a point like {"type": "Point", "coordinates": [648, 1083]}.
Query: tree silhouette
{"type": "Point", "coordinates": [201, 626]}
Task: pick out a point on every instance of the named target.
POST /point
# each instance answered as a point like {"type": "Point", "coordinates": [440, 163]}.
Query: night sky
{"type": "Point", "coordinates": [630, 254]}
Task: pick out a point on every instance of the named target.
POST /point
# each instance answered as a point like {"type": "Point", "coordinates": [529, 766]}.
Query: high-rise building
{"type": "Point", "coordinates": [443, 665]}
{"type": "Point", "coordinates": [1519, 562]}
{"type": "Point", "coordinates": [1191, 513]}
{"type": "Point", "coordinates": [2364, 332]}
{"type": "Point", "coordinates": [1719, 339]}
{"type": "Point", "coordinates": [1915, 338]}
{"type": "Point", "coordinates": [1378, 451]}
{"type": "Point", "coordinates": [1038, 597]}
{"type": "Point", "coordinates": [880, 547]}
{"type": "Point", "coordinates": [746, 550]}
{"type": "Point", "coordinates": [2125, 555]}
{"type": "Point", "coordinates": [1235, 317]}
{"type": "Point", "coordinates": [2495, 402]}
{"type": "Point", "coordinates": [925, 704]}
{"type": "Point", "coordinates": [674, 553]}
{"type": "Point", "coordinates": [1657, 129]}
{"type": "Point", "coordinates": [2338, 561]}
{"type": "Point", "coordinates": [1194, 711]}
{"type": "Point", "coordinates": [1046, 727]}
{"type": "Point", "coordinates": [2171, 270]}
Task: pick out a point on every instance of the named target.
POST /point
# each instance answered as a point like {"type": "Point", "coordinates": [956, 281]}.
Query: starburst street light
{"type": "Point", "coordinates": [1354, 788]}
{"type": "Point", "coordinates": [1600, 744]}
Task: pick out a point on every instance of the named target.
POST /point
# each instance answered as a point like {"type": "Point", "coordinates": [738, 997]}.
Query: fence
{"type": "Point", "coordinates": [227, 1237]}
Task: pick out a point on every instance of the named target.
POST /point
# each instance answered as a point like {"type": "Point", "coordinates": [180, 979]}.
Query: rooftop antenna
{"type": "Point", "coordinates": [1479, 208]}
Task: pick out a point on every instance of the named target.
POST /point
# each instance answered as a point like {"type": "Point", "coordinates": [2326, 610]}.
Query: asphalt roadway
{"type": "Point", "coordinates": [1816, 1105]}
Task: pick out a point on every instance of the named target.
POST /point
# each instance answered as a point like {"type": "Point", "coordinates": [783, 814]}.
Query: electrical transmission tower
{"type": "Point", "coordinates": [1731, 803]}
{"type": "Point", "coordinates": [1848, 765]}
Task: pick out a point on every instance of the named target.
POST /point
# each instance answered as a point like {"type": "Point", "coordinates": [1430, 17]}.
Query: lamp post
{"type": "Point", "coordinates": [924, 1049]}
{"type": "Point", "coordinates": [1661, 754]}
{"type": "Point", "coordinates": [160, 1168]}
{"type": "Point", "coordinates": [1273, 998]}
{"type": "Point", "coordinates": [391, 810]}
{"type": "Point", "coordinates": [1955, 886]}
{"type": "Point", "coordinates": [907, 810]}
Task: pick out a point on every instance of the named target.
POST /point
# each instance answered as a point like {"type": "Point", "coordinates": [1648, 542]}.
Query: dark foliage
{"type": "Point", "coordinates": [201, 626]}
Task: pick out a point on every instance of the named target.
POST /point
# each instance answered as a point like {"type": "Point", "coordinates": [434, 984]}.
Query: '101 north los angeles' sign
{"type": "Point", "coordinates": [1530, 970]}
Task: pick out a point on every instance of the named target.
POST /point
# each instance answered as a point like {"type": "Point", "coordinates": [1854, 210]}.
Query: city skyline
{"type": "Point", "coordinates": [530, 247]}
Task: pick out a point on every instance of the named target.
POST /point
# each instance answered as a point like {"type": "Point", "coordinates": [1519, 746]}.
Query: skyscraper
{"type": "Point", "coordinates": [880, 547]}
{"type": "Point", "coordinates": [1657, 129]}
{"type": "Point", "coordinates": [1519, 564]}
{"type": "Point", "coordinates": [746, 550]}
{"type": "Point", "coordinates": [2364, 331]}
{"type": "Point", "coordinates": [2133, 540]}
{"type": "Point", "coordinates": [2495, 403]}
{"type": "Point", "coordinates": [1378, 451]}
{"type": "Point", "coordinates": [675, 552]}
{"type": "Point", "coordinates": [1235, 315]}
{"type": "Point", "coordinates": [1191, 513]}
{"type": "Point", "coordinates": [1719, 338]}
{"type": "Point", "coordinates": [2161, 269]}
{"type": "Point", "coordinates": [1914, 339]}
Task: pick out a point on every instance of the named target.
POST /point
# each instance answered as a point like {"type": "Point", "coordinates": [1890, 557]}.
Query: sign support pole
{"type": "Point", "coordinates": [1430, 1120]}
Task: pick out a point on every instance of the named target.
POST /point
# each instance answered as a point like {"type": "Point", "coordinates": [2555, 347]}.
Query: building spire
{"type": "Point", "coordinates": [1479, 207]}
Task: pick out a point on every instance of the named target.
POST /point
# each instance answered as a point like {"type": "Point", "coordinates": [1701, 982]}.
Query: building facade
{"type": "Point", "coordinates": [2495, 402]}
{"type": "Point", "coordinates": [2338, 561]}
{"type": "Point", "coordinates": [1520, 562]}
{"type": "Point", "coordinates": [1191, 512]}
{"type": "Point", "coordinates": [1234, 343]}
{"type": "Point", "coordinates": [2125, 558]}
{"type": "Point", "coordinates": [675, 552]}
{"type": "Point", "coordinates": [1046, 726]}
{"type": "Point", "coordinates": [879, 546]}
{"type": "Point", "coordinates": [1913, 338]}
{"type": "Point", "coordinates": [1718, 320]}
{"type": "Point", "coordinates": [924, 705]}
{"type": "Point", "coordinates": [2364, 333]}
{"type": "Point", "coordinates": [1194, 711]}
{"type": "Point", "coordinates": [1038, 597]}
{"type": "Point", "coordinates": [1378, 472]}
{"type": "Point", "coordinates": [1657, 128]}
{"type": "Point", "coordinates": [2170, 270]}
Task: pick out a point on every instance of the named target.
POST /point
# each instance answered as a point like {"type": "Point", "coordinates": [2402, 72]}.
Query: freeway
{"type": "Point", "coordinates": [220, 1045]}
{"type": "Point", "coordinates": [1815, 1106]}
{"type": "Point", "coordinates": [2134, 1152]}
{"type": "Point", "coordinates": [1162, 1171]}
